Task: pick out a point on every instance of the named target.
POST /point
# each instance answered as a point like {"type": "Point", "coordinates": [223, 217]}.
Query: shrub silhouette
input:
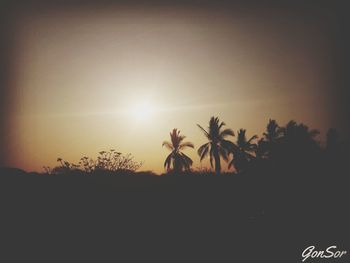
{"type": "Point", "coordinates": [108, 161]}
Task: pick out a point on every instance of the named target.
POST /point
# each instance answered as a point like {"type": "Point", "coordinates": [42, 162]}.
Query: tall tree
{"type": "Point", "coordinates": [298, 134]}
{"type": "Point", "coordinates": [243, 153]}
{"type": "Point", "coordinates": [217, 145]}
{"type": "Point", "coordinates": [273, 131]}
{"type": "Point", "coordinates": [177, 159]}
{"type": "Point", "coordinates": [297, 146]}
{"type": "Point", "coordinates": [266, 145]}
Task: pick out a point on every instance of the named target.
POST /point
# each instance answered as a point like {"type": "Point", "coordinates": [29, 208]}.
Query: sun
{"type": "Point", "coordinates": [143, 111]}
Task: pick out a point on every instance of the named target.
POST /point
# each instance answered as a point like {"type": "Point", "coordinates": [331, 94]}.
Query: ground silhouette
{"type": "Point", "coordinates": [287, 187]}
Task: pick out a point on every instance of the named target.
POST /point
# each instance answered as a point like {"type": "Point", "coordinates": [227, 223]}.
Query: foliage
{"type": "Point", "coordinates": [177, 159]}
{"type": "Point", "coordinates": [217, 145]}
{"type": "Point", "coordinates": [243, 152]}
{"type": "Point", "coordinates": [107, 161]}
{"type": "Point", "coordinates": [293, 146]}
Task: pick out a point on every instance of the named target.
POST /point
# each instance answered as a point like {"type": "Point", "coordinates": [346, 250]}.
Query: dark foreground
{"type": "Point", "coordinates": [173, 219]}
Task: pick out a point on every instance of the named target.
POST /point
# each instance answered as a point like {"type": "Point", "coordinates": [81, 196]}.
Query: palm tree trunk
{"type": "Point", "coordinates": [176, 167]}
{"type": "Point", "coordinates": [217, 163]}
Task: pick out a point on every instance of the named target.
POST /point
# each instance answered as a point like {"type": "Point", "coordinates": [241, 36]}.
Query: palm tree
{"type": "Point", "coordinates": [242, 154]}
{"type": "Point", "coordinates": [262, 149]}
{"type": "Point", "coordinates": [267, 144]}
{"type": "Point", "coordinates": [273, 131]}
{"type": "Point", "coordinates": [297, 145]}
{"type": "Point", "coordinates": [217, 146]}
{"type": "Point", "coordinates": [243, 144]}
{"type": "Point", "coordinates": [298, 133]}
{"type": "Point", "coordinates": [177, 159]}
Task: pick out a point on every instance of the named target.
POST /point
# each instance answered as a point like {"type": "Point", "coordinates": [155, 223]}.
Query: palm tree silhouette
{"type": "Point", "coordinates": [298, 133]}
{"type": "Point", "coordinates": [273, 131]}
{"type": "Point", "coordinates": [266, 145]}
{"type": "Point", "coordinates": [297, 146]}
{"type": "Point", "coordinates": [242, 154]}
{"type": "Point", "coordinates": [176, 158]}
{"type": "Point", "coordinates": [217, 145]}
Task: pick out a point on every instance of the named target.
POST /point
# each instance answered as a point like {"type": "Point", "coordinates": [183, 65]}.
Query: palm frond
{"type": "Point", "coordinates": [174, 136]}
{"type": "Point", "coordinates": [222, 124]}
{"type": "Point", "coordinates": [211, 154]}
{"type": "Point", "coordinates": [187, 161]}
{"type": "Point", "coordinates": [186, 144]}
{"type": "Point", "coordinates": [252, 138]}
{"type": "Point", "coordinates": [230, 164]}
{"type": "Point", "coordinates": [228, 145]}
{"type": "Point", "coordinates": [227, 132]}
{"type": "Point", "coordinates": [204, 131]}
{"type": "Point", "coordinates": [203, 151]}
{"type": "Point", "coordinates": [168, 145]}
{"type": "Point", "coordinates": [180, 138]}
{"type": "Point", "coordinates": [249, 155]}
{"type": "Point", "coordinates": [167, 162]}
{"type": "Point", "coordinates": [223, 153]}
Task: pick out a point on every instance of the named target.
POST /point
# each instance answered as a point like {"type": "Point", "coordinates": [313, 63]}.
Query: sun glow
{"type": "Point", "coordinates": [143, 111]}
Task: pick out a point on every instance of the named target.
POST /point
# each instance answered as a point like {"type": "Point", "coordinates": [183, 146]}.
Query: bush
{"type": "Point", "coordinates": [107, 161]}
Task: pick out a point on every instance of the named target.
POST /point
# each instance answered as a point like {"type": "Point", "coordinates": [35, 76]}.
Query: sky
{"type": "Point", "coordinates": [93, 79]}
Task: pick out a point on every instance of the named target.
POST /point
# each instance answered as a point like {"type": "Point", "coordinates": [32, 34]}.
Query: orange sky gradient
{"type": "Point", "coordinates": [79, 77]}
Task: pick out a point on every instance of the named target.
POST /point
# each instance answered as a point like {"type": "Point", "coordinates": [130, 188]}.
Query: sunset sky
{"type": "Point", "coordinates": [92, 79]}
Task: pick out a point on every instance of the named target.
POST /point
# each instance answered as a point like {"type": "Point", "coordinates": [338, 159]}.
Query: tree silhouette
{"type": "Point", "coordinates": [265, 146]}
{"type": "Point", "coordinates": [298, 134]}
{"type": "Point", "coordinates": [262, 149]}
{"type": "Point", "coordinates": [177, 159]}
{"type": "Point", "coordinates": [242, 154]}
{"type": "Point", "coordinates": [273, 131]}
{"type": "Point", "coordinates": [297, 147]}
{"type": "Point", "coordinates": [292, 148]}
{"type": "Point", "coordinates": [217, 146]}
